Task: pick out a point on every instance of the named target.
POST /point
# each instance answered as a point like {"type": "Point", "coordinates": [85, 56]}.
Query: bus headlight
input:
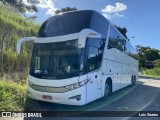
{"type": "Point", "coordinates": [76, 85]}
{"type": "Point", "coordinates": [57, 89]}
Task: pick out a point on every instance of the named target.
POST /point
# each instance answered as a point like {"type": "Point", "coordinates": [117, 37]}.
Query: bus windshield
{"type": "Point", "coordinates": [58, 60]}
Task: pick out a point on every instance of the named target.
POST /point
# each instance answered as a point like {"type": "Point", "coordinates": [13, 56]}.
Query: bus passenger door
{"type": "Point", "coordinates": [94, 75]}
{"type": "Point", "coordinates": [92, 87]}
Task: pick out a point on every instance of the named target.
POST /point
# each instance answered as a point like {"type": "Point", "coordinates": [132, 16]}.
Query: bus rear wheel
{"type": "Point", "coordinates": [133, 80]}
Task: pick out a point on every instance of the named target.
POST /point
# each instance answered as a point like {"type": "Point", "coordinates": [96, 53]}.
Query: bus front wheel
{"type": "Point", "coordinates": [108, 88]}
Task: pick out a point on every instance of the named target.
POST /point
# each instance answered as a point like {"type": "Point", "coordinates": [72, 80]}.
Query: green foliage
{"type": "Point", "coordinates": [21, 6]}
{"type": "Point", "coordinates": [11, 21]}
{"type": "Point", "coordinates": [14, 63]}
{"type": "Point", "coordinates": [151, 54]}
{"type": "Point", "coordinates": [156, 63]}
{"type": "Point", "coordinates": [152, 72]}
{"type": "Point", "coordinates": [12, 96]}
{"type": "Point", "coordinates": [147, 55]}
{"type": "Point", "coordinates": [13, 66]}
{"type": "Point", "coordinates": [67, 9]}
{"type": "Point", "coordinates": [13, 27]}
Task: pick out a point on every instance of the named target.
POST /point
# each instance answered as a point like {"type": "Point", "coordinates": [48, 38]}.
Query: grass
{"type": "Point", "coordinates": [12, 96]}
{"type": "Point", "coordinates": [11, 17]}
{"type": "Point", "coordinates": [151, 76]}
{"type": "Point", "coordinates": [13, 26]}
{"type": "Point", "coordinates": [155, 72]}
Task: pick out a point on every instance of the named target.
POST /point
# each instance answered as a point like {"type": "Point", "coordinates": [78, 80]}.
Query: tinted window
{"type": "Point", "coordinates": [93, 63]}
{"type": "Point", "coordinates": [56, 60]}
{"type": "Point", "coordinates": [116, 40]}
{"type": "Point", "coordinates": [95, 53]}
{"type": "Point", "coordinates": [130, 50]}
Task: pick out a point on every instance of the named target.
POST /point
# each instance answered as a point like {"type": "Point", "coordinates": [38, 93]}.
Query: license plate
{"type": "Point", "coordinates": [47, 97]}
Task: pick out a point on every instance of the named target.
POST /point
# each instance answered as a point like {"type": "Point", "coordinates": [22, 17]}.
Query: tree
{"type": "Point", "coordinates": [4, 33]}
{"type": "Point", "coordinates": [21, 6]}
{"type": "Point", "coordinates": [151, 54]}
{"type": "Point", "coordinates": [146, 55]}
{"type": "Point", "coordinates": [156, 63]}
{"type": "Point", "coordinates": [67, 9]}
{"type": "Point", "coordinates": [13, 27]}
{"type": "Point", "coordinates": [33, 1]}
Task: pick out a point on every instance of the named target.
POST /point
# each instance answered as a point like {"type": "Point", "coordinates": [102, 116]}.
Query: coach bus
{"type": "Point", "coordinates": [79, 57]}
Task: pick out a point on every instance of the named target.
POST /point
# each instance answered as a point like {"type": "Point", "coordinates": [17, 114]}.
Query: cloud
{"type": "Point", "coordinates": [51, 11]}
{"type": "Point", "coordinates": [110, 11]}
{"type": "Point", "coordinates": [49, 5]}
{"type": "Point", "coordinates": [45, 4]}
{"type": "Point", "coordinates": [113, 9]}
{"type": "Point", "coordinates": [118, 15]}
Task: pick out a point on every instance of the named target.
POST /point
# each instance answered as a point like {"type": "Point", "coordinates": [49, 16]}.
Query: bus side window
{"type": "Point", "coordinates": [111, 42]}
{"type": "Point", "coordinates": [93, 61]}
{"type": "Point", "coordinates": [116, 40]}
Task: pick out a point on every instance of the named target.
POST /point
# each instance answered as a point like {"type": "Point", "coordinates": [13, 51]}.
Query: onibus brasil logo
{"type": "Point", "coordinates": [20, 114]}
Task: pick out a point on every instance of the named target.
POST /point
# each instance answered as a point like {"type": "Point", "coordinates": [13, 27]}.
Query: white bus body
{"type": "Point", "coordinates": [96, 62]}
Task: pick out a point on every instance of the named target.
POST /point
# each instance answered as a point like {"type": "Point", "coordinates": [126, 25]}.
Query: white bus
{"type": "Point", "coordinates": [77, 58]}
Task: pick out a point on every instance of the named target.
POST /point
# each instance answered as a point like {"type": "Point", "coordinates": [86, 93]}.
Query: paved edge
{"type": "Point", "coordinates": [148, 77]}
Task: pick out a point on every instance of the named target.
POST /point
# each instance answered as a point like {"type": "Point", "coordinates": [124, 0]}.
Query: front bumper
{"type": "Point", "coordinates": [62, 98]}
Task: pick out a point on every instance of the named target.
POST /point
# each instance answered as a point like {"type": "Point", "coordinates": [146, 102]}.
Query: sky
{"type": "Point", "coordinates": [140, 17]}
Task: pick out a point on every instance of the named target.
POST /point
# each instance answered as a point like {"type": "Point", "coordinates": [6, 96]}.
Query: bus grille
{"type": "Point", "coordinates": [47, 89]}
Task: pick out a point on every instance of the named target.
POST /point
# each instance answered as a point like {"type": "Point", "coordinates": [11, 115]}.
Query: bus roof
{"type": "Point", "coordinates": [73, 22]}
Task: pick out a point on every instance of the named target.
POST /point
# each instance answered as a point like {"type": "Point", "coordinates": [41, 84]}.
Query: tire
{"type": "Point", "coordinates": [133, 79]}
{"type": "Point", "coordinates": [108, 89]}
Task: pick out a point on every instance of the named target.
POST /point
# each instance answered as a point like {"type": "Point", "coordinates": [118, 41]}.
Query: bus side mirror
{"type": "Point", "coordinates": [86, 33]}
{"type": "Point", "coordinates": [23, 40]}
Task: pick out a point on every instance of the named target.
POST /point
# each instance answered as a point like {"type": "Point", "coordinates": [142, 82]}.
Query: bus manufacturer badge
{"type": "Point", "coordinates": [45, 72]}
